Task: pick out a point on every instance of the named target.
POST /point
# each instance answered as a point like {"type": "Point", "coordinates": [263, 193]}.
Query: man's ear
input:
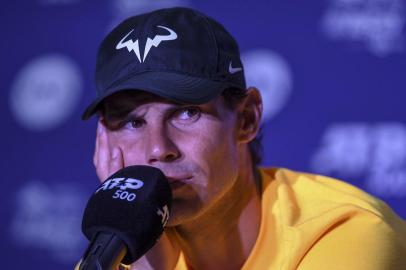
{"type": "Point", "coordinates": [250, 113]}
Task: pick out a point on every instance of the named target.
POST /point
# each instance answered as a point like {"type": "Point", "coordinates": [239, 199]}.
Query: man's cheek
{"type": "Point", "coordinates": [132, 154]}
{"type": "Point", "coordinates": [131, 159]}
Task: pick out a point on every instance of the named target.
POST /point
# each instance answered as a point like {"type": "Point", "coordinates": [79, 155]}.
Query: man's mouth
{"type": "Point", "coordinates": [178, 181]}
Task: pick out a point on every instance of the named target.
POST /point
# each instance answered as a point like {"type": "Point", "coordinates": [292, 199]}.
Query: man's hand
{"type": "Point", "coordinates": [109, 159]}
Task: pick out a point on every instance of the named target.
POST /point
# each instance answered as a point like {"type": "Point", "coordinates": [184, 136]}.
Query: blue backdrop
{"type": "Point", "coordinates": [332, 75]}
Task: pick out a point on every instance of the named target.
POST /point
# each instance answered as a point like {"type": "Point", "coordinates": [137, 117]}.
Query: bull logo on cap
{"type": "Point", "coordinates": [134, 45]}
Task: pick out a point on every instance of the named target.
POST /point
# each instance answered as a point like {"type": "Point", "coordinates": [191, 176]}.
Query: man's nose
{"type": "Point", "coordinates": [161, 147]}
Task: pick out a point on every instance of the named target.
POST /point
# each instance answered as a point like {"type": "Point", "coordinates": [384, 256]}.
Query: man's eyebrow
{"type": "Point", "coordinates": [116, 113]}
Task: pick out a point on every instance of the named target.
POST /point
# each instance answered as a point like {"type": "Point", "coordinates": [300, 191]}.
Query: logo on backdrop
{"type": "Point", "coordinates": [48, 218]}
{"type": "Point", "coordinates": [122, 9]}
{"type": "Point", "coordinates": [376, 153]}
{"type": "Point", "coordinates": [271, 74]}
{"type": "Point", "coordinates": [376, 24]}
{"type": "Point", "coordinates": [134, 45]}
{"type": "Point", "coordinates": [46, 92]}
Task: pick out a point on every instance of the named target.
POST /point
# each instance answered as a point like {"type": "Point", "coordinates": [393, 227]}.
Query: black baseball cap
{"type": "Point", "coordinates": [176, 53]}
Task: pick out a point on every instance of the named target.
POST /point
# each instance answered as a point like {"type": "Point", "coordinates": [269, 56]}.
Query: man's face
{"type": "Point", "coordinates": [196, 146]}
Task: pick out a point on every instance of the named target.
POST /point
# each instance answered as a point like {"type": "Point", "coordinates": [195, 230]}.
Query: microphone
{"type": "Point", "coordinates": [125, 217]}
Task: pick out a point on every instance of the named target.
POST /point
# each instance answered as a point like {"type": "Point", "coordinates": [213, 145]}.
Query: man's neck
{"type": "Point", "coordinates": [223, 237]}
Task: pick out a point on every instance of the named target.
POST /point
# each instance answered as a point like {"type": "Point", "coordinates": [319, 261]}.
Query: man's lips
{"type": "Point", "coordinates": [178, 181]}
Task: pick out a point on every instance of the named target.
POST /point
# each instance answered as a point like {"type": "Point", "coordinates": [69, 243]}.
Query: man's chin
{"type": "Point", "coordinates": [179, 216]}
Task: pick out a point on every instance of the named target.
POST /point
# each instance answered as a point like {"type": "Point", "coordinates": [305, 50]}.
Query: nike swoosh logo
{"type": "Point", "coordinates": [233, 70]}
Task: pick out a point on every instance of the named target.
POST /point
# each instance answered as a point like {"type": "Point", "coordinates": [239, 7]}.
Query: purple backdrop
{"type": "Point", "coordinates": [332, 74]}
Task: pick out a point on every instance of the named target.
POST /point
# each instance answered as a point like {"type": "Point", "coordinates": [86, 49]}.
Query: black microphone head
{"type": "Point", "coordinates": [134, 203]}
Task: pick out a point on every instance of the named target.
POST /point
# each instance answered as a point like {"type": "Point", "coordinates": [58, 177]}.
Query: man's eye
{"type": "Point", "coordinates": [188, 113]}
{"type": "Point", "coordinates": [134, 123]}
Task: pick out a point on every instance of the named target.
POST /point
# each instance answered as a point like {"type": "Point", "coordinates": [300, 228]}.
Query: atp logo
{"type": "Point", "coordinates": [134, 45]}
{"type": "Point", "coordinates": [164, 213]}
{"type": "Point", "coordinates": [122, 184]}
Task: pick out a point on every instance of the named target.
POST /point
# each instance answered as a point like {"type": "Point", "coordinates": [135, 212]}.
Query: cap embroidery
{"type": "Point", "coordinates": [233, 70]}
{"type": "Point", "coordinates": [134, 45]}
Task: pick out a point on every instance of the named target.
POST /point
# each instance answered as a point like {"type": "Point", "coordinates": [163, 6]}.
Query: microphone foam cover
{"type": "Point", "coordinates": [134, 203]}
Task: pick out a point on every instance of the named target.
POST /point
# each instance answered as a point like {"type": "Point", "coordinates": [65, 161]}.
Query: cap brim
{"type": "Point", "coordinates": [172, 86]}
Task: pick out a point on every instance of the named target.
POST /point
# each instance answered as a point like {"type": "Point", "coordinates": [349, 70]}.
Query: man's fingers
{"type": "Point", "coordinates": [96, 148]}
{"type": "Point", "coordinates": [106, 162]}
{"type": "Point", "coordinates": [102, 153]}
{"type": "Point", "coordinates": [116, 160]}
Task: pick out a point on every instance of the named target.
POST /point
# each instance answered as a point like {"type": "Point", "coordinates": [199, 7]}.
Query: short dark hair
{"type": "Point", "coordinates": [232, 96]}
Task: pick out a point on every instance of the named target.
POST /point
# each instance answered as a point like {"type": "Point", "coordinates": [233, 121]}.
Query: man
{"type": "Point", "coordinates": [172, 94]}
